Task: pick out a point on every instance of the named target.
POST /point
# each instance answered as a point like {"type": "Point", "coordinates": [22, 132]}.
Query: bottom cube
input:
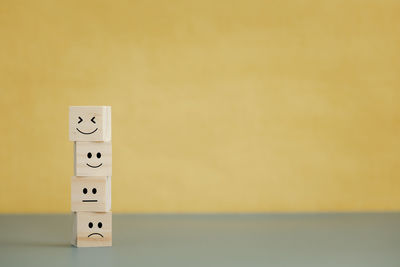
{"type": "Point", "coordinates": [92, 229]}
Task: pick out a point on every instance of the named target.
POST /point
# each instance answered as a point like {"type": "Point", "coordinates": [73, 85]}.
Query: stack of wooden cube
{"type": "Point", "coordinates": [90, 130]}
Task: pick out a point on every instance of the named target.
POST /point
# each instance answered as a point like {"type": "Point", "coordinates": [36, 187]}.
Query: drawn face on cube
{"type": "Point", "coordinates": [97, 233]}
{"type": "Point", "coordinates": [93, 228]}
{"type": "Point", "coordinates": [85, 192]}
{"type": "Point", "coordinates": [93, 159]}
{"type": "Point", "coordinates": [91, 193]}
{"type": "Point", "coordinates": [80, 120]}
{"type": "Point", "coordinates": [90, 123]}
{"type": "Point", "coordinates": [99, 163]}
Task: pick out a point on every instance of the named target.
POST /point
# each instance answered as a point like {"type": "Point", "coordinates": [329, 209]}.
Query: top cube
{"type": "Point", "coordinates": [90, 123]}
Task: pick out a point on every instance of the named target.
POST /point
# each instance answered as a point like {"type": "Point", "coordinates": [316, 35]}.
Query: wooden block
{"type": "Point", "coordinates": [92, 229]}
{"type": "Point", "coordinates": [91, 193]}
{"type": "Point", "coordinates": [90, 123]}
{"type": "Point", "coordinates": [93, 158]}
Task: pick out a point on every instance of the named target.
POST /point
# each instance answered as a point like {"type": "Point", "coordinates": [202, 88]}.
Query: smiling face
{"type": "Point", "coordinates": [91, 193]}
{"type": "Point", "coordinates": [90, 132]}
{"type": "Point", "coordinates": [90, 123]}
{"type": "Point", "coordinates": [90, 155]}
{"type": "Point", "coordinates": [92, 229]}
{"type": "Point", "coordinates": [93, 158]}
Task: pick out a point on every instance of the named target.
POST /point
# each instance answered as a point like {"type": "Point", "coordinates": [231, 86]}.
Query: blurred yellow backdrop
{"type": "Point", "coordinates": [218, 106]}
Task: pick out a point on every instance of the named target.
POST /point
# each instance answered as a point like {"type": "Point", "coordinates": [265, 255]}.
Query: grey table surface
{"type": "Point", "coordinates": [209, 240]}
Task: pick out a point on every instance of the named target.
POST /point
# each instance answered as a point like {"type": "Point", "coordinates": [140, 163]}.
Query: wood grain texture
{"type": "Point", "coordinates": [88, 161]}
{"type": "Point", "coordinates": [92, 229]}
{"type": "Point", "coordinates": [91, 193]}
{"type": "Point", "coordinates": [90, 123]}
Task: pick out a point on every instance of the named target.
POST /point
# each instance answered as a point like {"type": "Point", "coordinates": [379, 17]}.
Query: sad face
{"type": "Point", "coordinates": [92, 229]}
{"type": "Point", "coordinates": [94, 234]}
{"type": "Point", "coordinates": [93, 159]}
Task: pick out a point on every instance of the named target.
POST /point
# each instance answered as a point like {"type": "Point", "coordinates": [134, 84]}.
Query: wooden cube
{"type": "Point", "coordinates": [92, 229]}
{"type": "Point", "coordinates": [91, 193]}
{"type": "Point", "coordinates": [93, 158]}
{"type": "Point", "coordinates": [90, 123]}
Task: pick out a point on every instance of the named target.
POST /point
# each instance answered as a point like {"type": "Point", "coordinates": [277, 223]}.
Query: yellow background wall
{"type": "Point", "coordinates": [218, 106]}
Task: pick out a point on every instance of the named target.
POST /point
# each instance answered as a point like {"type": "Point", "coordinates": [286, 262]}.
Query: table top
{"type": "Point", "coordinates": [353, 239]}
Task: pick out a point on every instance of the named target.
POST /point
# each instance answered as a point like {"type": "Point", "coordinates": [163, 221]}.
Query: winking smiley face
{"type": "Point", "coordinates": [90, 123]}
{"type": "Point", "coordinates": [80, 120]}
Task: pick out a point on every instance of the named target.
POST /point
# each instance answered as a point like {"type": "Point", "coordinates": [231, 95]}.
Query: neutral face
{"type": "Point", "coordinates": [91, 193]}
{"type": "Point", "coordinates": [85, 192]}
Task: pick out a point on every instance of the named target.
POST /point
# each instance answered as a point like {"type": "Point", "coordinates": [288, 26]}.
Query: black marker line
{"type": "Point", "coordinates": [89, 200]}
{"type": "Point", "coordinates": [87, 133]}
{"type": "Point", "coordinates": [95, 234]}
{"type": "Point", "coordinates": [94, 166]}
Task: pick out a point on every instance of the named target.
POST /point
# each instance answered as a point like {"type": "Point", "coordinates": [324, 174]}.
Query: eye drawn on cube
{"type": "Point", "coordinates": [92, 229]}
{"type": "Point", "coordinates": [91, 193]}
{"type": "Point", "coordinates": [93, 158]}
{"type": "Point", "coordinates": [90, 123]}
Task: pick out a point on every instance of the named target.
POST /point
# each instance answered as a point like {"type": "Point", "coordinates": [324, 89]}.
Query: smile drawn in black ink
{"type": "Point", "coordinates": [94, 166]}
{"type": "Point", "coordinates": [89, 200]}
{"type": "Point", "coordinates": [87, 133]}
{"type": "Point", "coordinates": [95, 234]}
